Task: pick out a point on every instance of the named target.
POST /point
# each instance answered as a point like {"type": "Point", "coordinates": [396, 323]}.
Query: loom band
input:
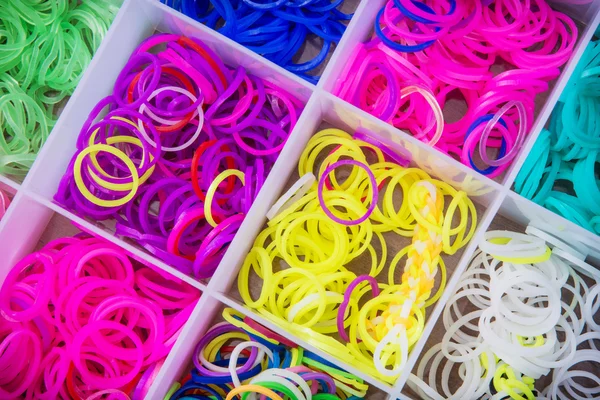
{"type": "Point", "coordinates": [33, 356]}
{"type": "Point", "coordinates": [466, 207]}
{"type": "Point", "coordinates": [213, 348]}
{"type": "Point", "coordinates": [43, 288]}
{"type": "Point", "coordinates": [430, 98]}
{"type": "Point", "coordinates": [251, 117]}
{"type": "Point", "coordinates": [320, 141]}
{"type": "Point", "coordinates": [287, 378]}
{"type": "Point", "coordinates": [238, 77]}
{"type": "Point", "coordinates": [314, 62]}
{"type": "Point", "coordinates": [406, 48]}
{"type": "Point", "coordinates": [566, 207]}
{"type": "Point", "coordinates": [348, 297]}
{"type": "Point", "coordinates": [396, 17]}
{"type": "Point", "coordinates": [325, 323]}
{"type": "Point", "coordinates": [549, 177]}
{"type": "Point", "coordinates": [562, 54]}
{"type": "Point", "coordinates": [183, 79]}
{"type": "Point", "coordinates": [169, 295]}
{"type": "Point", "coordinates": [239, 140]}
{"type": "Point", "coordinates": [136, 60]}
{"type": "Point", "coordinates": [210, 193]}
{"type": "Point", "coordinates": [291, 222]}
{"type": "Point", "coordinates": [184, 221]}
{"type": "Point", "coordinates": [386, 104]}
{"type": "Point", "coordinates": [469, 149]}
{"type": "Point", "coordinates": [203, 51]}
{"type": "Point", "coordinates": [95, 379]}
{"type": "Point", "coordinates": [402, 217]}
{"type": "Point", "coordinates": [118, 186]}
{"type": "Point", "coordinates": [147, 198]}
{"type": "Point", "coordinates": [262, 349]}
{"type": "Point", "coordinates": [155, 336]}
{"type": "Point", "coordinates": [422, 13]}
{"type": "Point", "coordinates": [115, 119]}
{"type": "Point", "coordinates": [195, 387]}
{"type": "Point", "coordinates": [527, 181]}
{"type": "Point", "coordinates": [195, 164]}
{"type": "Point", "coordinates": [172, 126]}
{"type": "Point", "coordinates": [586, 185]}
{"type": "Point", "coordinates": [219, 237]}
{"type": "Point", "coordinates": [204, 85]}
{"type": "Point", "coordinates": [374, 197]}
{"type": "Point", "coordinates": [202, 364]}
{"type": "Point", "coordinates": [288, 101]}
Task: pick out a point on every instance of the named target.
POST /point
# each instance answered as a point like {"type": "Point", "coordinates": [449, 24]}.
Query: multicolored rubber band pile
{"type": "Point", "coordinates": [80, 318]}
{"type": "Point", "coordinates": [305, 255]}
{"type": "Point", "coordinates": [491, 54]}
{"type": "Point", "coordinates": [178, 153]}
{"type": "Point", "coordinates": [45, 47]}
{"type": "Point", "coordinates": [239, 357]}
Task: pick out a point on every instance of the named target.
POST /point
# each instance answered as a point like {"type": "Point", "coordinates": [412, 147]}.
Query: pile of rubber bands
{"type": "Point", "coordinates": [279, 30]}
{"type": "Point", "coordinates": [178, 153]}
{"type": "Point", "coordinates": [489, 53]}
{"type": "Point", "coordinates": [239, 357]}
{"type": "Point", "coordinates": [561, 171]}
{"type": "Point", "coordinates": [351, 190]}
{"type": "Point", "coordinates": [79, 318]}
{"type": "Point", "coordinates": [523, 308]}
{"type": "Point", "coordinates": [45, 46]}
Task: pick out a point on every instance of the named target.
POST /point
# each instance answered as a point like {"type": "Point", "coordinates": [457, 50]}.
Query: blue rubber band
{"type": "Point", "coordinates": [475, 124]}
{"type": "Point", "coordinates": [190, 385]}
{"type": "Point", "coordinates": [397, 46]}
{"type": "Point", "coordinates": [425, 8]}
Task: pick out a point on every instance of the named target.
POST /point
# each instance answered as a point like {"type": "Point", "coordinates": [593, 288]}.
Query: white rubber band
{"type": "Point", "coordinates": [199, 112]}
{"type": "Point", "coordinates": [295, 193]}
{"type": "Point", "coordinates": [235, 354]}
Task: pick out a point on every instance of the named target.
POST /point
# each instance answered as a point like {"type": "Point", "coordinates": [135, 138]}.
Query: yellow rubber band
{"type": "Point", "coordinates": [83, 188]}
{"type": "Point", "coordinates": [210, 193]}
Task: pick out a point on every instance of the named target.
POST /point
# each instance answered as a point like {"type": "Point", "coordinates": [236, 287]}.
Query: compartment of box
{"type": "Point", "coordinates": [586, 17]}
{"type": "Point", "coordinates": [515, 215]}
{"type": "Point", "coordinates": [31, 227]}
{"type": "Point", "coordinates": [138, 19]}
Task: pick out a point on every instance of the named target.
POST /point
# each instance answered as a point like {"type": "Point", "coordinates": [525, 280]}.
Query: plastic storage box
{"type": "Point", "coordinates": [29, 220]}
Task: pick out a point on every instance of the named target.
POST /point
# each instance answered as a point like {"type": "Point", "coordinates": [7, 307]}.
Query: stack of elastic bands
{"type": "Point", "coordinates": [179, 151]}
{"type": "Point", "coordinates": [79, 319]}
{"type": "Point", "coordinates": [522, 309]}
{"type": "Point", "coordinates": [45, 46]}
{"type": "Point", "coordinates": [242, 358]}
{"type": "Point", "coordinates": [4, 203]}
{"type": "Point", "coordinates": [453, 49]}
{"type": "Point", "coordinates": [279, 30]}
{"type": "Point", "coordinates": [354, 192]}
{"type": "Point", "coordinates": [561, 171]}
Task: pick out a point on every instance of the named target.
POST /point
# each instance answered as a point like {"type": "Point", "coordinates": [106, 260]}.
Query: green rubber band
{"type": "Point", "coordinates": [276, 387]}
{"type": "Point", "coordinates": [45, 48]}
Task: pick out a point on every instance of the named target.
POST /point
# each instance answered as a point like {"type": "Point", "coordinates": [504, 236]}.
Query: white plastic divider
{"type": "Point", "coordinates": [33, 206]}
{"type": "Point", "coordinates": [180, 357]}
{"type": "Point", "coordinates": [20, 229]}
{"type": "Point", "coordinates": [7, 182]}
